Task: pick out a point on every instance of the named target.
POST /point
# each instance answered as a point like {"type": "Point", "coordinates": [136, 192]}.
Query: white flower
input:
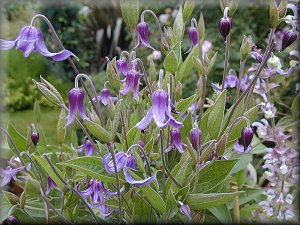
{"type": "Point", "coordinates": [274, 63]}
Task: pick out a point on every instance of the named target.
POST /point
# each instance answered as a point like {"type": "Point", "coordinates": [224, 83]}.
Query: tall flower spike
{"type": "Point", "coordinates": [142, 29]}
{"type": "Point", "coordinates": [175, 141]}
{"type": "Point", "coordinates": [131, 83]}
{"type": "Point", "coordinates": [76, 97]}
{"type": "Point", "coordinates": [225, 24]}
{"type": "Point", "coordinates": [288, 38]}
{"type": "Point", "coordinates": [193, 34]}
{"type": "Point", "coordinates": [30, 39]}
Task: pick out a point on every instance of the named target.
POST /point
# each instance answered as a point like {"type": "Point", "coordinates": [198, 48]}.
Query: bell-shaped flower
{"type": "Point", "coordinates": [224, 25]}
{"type": "Point", "coordinates": [76, 97]}
{"type": "Point", "coordinates": [193, 35]}
{"type": "Point", "coordinates": [124, 161]}
{"type": "Point", "coordinates": [30, 39]}
{"type": "Point", "coordinates": [231, 81]}
{"type": "Point", "coordinates": [131, 83]}
{"type": "Point", "coordinates": [87, 147]}
{"type": "Point", "coordinates": [196, 137]}
{"type": "Point", "coordinates": [160, 112]}
{"type": "Point", "coordinates": [105, 96]}
{"type": "Point", "coordinates": [122, 66]}
{"type": "Point", "coordinates": [35, 138]}
{"type": "Point", "coordinates": [142, 29]}
{"type": "Point", "coordinates": [185, 210]}
{"type": "Point", "coordinates": [51, 184]}
{"type": "Point", "coordinates": [8, 174]}
{"type": "Point", "coordinates": [288, 38]}
{"type": "Point", "coordinates": [246, 137]}
{"type": "Point", "coordinates": [176, 141]}
{"type": "Point", "coordinates": [240, 148]}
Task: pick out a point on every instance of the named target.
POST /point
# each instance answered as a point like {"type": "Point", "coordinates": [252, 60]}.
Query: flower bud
{"type": "Point", "coordinates": [225, 25]}
{"type": "Point", "coordinates": [246, 137]}
{"type": "Point", "coordinates": [246, 47]}
{"type": "Point", "coordinates": [12, 219]}
{"type": "Point", "coordinates": [288, 38]}
{"type": "Point", "coordinates": [274, 63]}
{"type": "Point", "coordinates": [195, 138]}
{"type": "Point", "coordinates": [35, 138]}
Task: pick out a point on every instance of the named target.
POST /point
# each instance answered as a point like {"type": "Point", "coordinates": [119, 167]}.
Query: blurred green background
{"type": "Point", "coordinates": [90, 30]}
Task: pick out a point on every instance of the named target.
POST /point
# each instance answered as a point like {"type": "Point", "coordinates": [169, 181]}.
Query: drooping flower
{"type": "Point", "coordinates": [51, 184]}
{"type": "Point", "coordinates": [142, 29]}
{"type": "Point", "coordinates": [185, 210]}
{"type": "Point", "coordinates": [131, 83]}
{"type": "Point", "coordinates": [76, 97]}
{"type": "Point", "coordinates": [175, 141]}
{"type": "Point", "coordinates": [87, 147]}
{"type": "Point", "coordinates": [160, 111]}
{"type": "Point", "coordinates": [193, 35]}
{"type": "Point", "coordinates": [196, 137]}
{"type": "Point", "coordinates": [35, 138]}
{"type": "Point", "coordinates": [124, 161]}
{"type": "Point", "coordinates": [240, 148]}
{"type": "Point", "coordinates": [105, 96]}
{"type": "Point", "coordinates": [288, 38]}
{"type": "Point", "coordinates": [231, 81]}
{"type": "Point", "coordinates": [8, 174]}
{"type": "Point", "coordinates": [30, 39]}
{"type": "Point", "coordinates": [122, 66]}
{"type": "Point", "coordinates": [246, 137]}
{"type": "Point", "coordinates": [225, 24]}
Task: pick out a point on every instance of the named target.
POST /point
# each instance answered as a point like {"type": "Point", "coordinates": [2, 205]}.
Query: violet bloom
{"type": "Point", "coordinates": [240, 149]}
{"type": "Point", "coordinates": [193, 35]}
{"type": "Point", "coordinates": [35, 138]}
{"type": "Point", "coordinates": [175, 141]}
{"type": "Point", "coordinates": [142, 29]}
{"type": "Point", "coordinates": [8, 174]}
{"type": "Point", "coordinates": [288, 38]}
{"type": "Point", "coordinates": [124, 161]}
{"type": "Point", "coordinates": [185, 210]}
{"type": "Point", "coordinates": [225, 24]}
{"type": "Point", "coordinates": [122, 66]}
{"type": "Point", "coordinates": [87, 147]}
{"type": "Point", "coordinates": [231, 81]}
{"type": "Point", "coordinates": [196, 137]}
{"type": "Point", "coordinates": [30, 39]}
{"type": "Point", "coordinates": [105, 97]}
{"type": "Point", "coordinates": [76, 97]}
{"type": "Point", "coordinates": [51, 184]}
{"type": "Point", "coordinates": [246, 137]}
{"type": "Point", "coordinates": [160, 111]}
{"type": "Point", "coordinates": [131, 83]}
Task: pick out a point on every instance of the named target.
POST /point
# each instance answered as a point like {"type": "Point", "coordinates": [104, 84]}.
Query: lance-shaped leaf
{"type": "Point", "coordinates": [188, 8]}
{"type": "Point", "coordinates": [206, 201]}
{"type": "Point", "coordinates": [19, 139]}
{"type": "Point", "coordinates": [99, 132]}
{"type": "Point", "coordinates": [274, 14]}
{"type": "Point", "coordinates": [178, 26]}
{"type": "Point", "coordinates": [130, 12]}
{"type": "Point", "coordinates": [116, 121]}
{"type": "Point", "coordinates": [171, 62]}
{"type": "Point", "coordinates": [61, 127]}
{"type": "Point", "coordinates": [201, 28]}
{"type": "Point", "coordinates": [187, 65]}
{"type": "Point", "coordinates": [37, 111]}
{"type": "Point", "coordinates": [112, 75]}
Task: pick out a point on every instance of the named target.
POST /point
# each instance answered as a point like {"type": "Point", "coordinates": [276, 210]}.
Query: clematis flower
{"type": "Point", "coordinates": [288, 38]}
{"type": "Point", "coordinates": [105, 96]}
{"type": "Point", "coordinates": [51, 184]}
{"type": "Point", "coordinates": [160, 111]}
{"type": "Point", "coordinates": [122, 66]}
{"type": "Point", "coordinates": [185, 210]}
{"type": "Point", "coordinates": [196, 137]}
{"type": "Point", "coordinates": [240, 148]}
{"type": "Point", "coordinates": [225, 24]}
{"type": "Point", "coordinates": [76, 96]}
{"type": "Point", "coordinates": [142, 29]}
{"type": "Point", "coordinates": [246, 137]}
{"type": "Point", "coordinates": [131, 83]}
{"type": "Point", "coordinates": [87, 147]}
{"type": "Point", "coordinates": [231, 81]}
{"type": "Point", "coordinates": [193, 35]}
{"type": "Point", "coordinates": [30, 39]}
{"type": "Point", "coordinates": [124, 161]}
{"type": "Point", "coordinates": [8, 174]}
{"type": "Point", "coordinates": [175, 141]}
{"type": "Point", "coordinates": [35, 138]}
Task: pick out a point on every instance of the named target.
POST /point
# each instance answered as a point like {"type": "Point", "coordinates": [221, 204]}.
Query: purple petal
{"type": "Point", "coordinates": [142, 29]}
{"type": "Point", "coordinates": [27, 39]}
{"type": "Point", "coordinates": [185, 210]}
{"type": "Point", "coordinates": [143, 124]}
{"type": "Point", "coordinates": [216, 87]}
{"type": "Point", "coordinates": [89, 148]}
{"type": "Point", "coordinates": [138, 183]}
{"type": "Point", "coordinates": [6, 45]}
{"type": "Point", "coordinates": [80, 104]}
{"type": "Point", "coordinates": [121, 160]}
{"type": "Point", "coordinates": [286, 73]}
{"type": "Point", "coordinates": [51, 184]}
{"type": "Point", "coordinates": [5, 180]}
{"type": "Point", "coordinates": [105, 211]}
{"type": "Point", "coordinates": [105, 95]}
{"type": "Point", "coordinates": [10, 172]}
{"type": "Point", "coordinates": [72, 106]}
{"type": "Point", "coordinates": [240, 149]}
{"type": "Point", "coordinates": [160, 105]}
{"type": "Point", "coordinates": [129, 82]}
{"type": "Point", "coordinates": [86, 193]}
{"type": "Point", "coordinates": [170, 147]}
{"type": "Point", "coordinates": [110, 193]}
{"type": "Point", "coordinates": [176, 137]}
{"type": "Point", "coordinates": [231, 81]}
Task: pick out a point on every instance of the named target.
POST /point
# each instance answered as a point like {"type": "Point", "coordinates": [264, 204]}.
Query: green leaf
{"type": "Point", "coordinates": [243, 161]}
{"type": "Point", "coordinates": [153, 197]}
{"type": "Point", "coordinates": [116, 121]}
{"type": "Point", "coordinates": [143, 212]}
{"type": "Point", "coordinates": [112, 76]}
{"type": "Point", "coordinates": [171, 62]}
{"type": "Point", "coordinates": [216, 115]}
{"type": "Point", "coordinates": [296, 105]}
{"type": "Point", "coordinates": [214, 174]}
{"type": "Point", "coordinates": [187, 65]}
{"type": "Point", "coordinates": [274, 14]}
{"type": "Point", "coordinates": [178, 26]}
{"type": "Point", "coordinates": [90, 165]}
{"type": "Point", "coordinates": [222, 214]}
{"type": "Point", "coordinates": [131, 134]}
{"type": "Point", "coordinates": [182, 193]}
{"type": "Point", "coordinates": [188, 8]}
{"type": "Point", "coordinates": [11, 197]}
{"type": "Point", "coordinates": [99, 132]}
{"type": "Point", "coordinates": [248, 196]}
{"type": "Point", "coordinates": [37, 111]}
{"type": "Point", "coordinates": [43, 163]}
{"type": "Point", "coordinates": [206, 201]}
{"type": "Point", "coordinates": [184, 104]}
{"type": "Point", "coordinates": [18, 139]}
{"type": "Point", "coordinates": [61, 129]}
{"type": "Point", "coordinates": [130, 12]}
{"type": "Point", "coordinates": [212, 62]}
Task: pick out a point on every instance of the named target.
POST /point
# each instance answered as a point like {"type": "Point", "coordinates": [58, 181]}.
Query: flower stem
{"type": "Point", "coordinates": [163, 159]}
{"type": "Point", "coordinates": [227, 46]}
{"type": "Point", "coordinates": [156, 20]}
{"type": "Point", "coordinates": [202, 99]}
{"type": "Point", "coordinates": [145, 74]}
{"type": "Point", "coordinates": [236, 205]}
{"type": "Point", "coordinates": [241, 73]}
{"type": "Point", "coordinates": [144, 154]}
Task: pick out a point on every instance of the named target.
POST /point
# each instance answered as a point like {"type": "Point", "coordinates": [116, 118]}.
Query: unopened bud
{"type": "Point", "coordinates": [35, 138]}
{"type": "Point", "coordinates": [246, 137]}
{"type": "Point", "coordinates": [246, 47]}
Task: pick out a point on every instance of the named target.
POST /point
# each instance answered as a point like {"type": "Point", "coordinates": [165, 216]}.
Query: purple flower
{"type": "Point", "coordinates": [142, 29]}
{"type": "Point", "coordinates": [30, 39]}
{"type": "Point", "coordinates": [122, 66]}
{"type": "Point", "coordinates": [105, 96]}
{"type": "Point", "coordinates": [123, 161]}
{"type": "Point", "coordinates": [231, 81]}
{"type": "Point", "coordinates": [175, 141]}
{"type": "Point", "coordinates": [51, 184]}
{"type": "Point", "coordinates": [241, 149]}
{"type": "Point", "coordinates": [246, 137]}
{"type": "Point", "coordinates": [87, 147]}
{"type": "Point", "coordinates": [35, 138]}
{"type": "Point", "coordinates": [160, 112]}
{"type": "Point", "coordinates": [185, 210]}
{"type": "Point", "coordinates": [224, 26]}
{"type": "Point", "coordinates": [288, 38]}
{"type": "Point", "coordinates": [131, 83]}
{"type": "Point", "coordinates": [8, 174]}
{"type": "Point", "coordinates": [193, 35]}
{"type": "Point", "coordinates": [76, 97]}
{"type": "Point", "coordinates": [196, 138]}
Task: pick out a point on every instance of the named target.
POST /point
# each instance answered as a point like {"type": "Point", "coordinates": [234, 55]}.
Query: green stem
{"type": "Point", "coordinates": [203, 93]}
{"type": "Point", "coordinates": [227, 46]}
{"type": "Point", "coordinates": [163, 168]}
{"type": "Point", "coordinates": [241, 74]}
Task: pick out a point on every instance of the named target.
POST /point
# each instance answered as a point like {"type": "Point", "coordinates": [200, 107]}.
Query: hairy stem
{"type": "Point", "coordinates": [226, 61]}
